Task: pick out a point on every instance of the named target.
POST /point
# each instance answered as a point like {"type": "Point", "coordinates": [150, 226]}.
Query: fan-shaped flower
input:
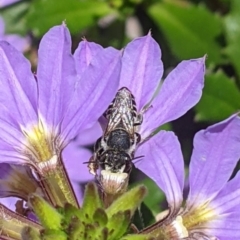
{"type": "Point", "coordinates": [212, 209]}
{"type": "Point", "coordinates": [41, 113]}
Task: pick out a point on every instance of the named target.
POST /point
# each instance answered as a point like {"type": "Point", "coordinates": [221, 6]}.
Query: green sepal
{"type": "Point", "coordinates": [53, 235]}
{"type": "Point", "coordinates": [128, 201]}
{"type": "Point", "coordinates": [91, 199]}
{"type": "Point", "coordinates": [118, 224]}
{"type": "Point", "coordinates": [91, 202]}
{"type": "Point", "coordinates": [30, 233]}
{"type": "Point", "coordinates": [49, 217]}
{"type": "Point", "coordinates": [69, 212]}
{"type": "Point", "coordinates": [76, 229]}
{"type": "Point", "coordinates": [100, 217]}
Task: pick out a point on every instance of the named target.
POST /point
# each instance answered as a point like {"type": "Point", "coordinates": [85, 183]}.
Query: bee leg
{"type": "Point", "coordinates": [93, 166]}
{"type": "Point", "coordinates": [138, 120]}
{"type": "Point", "coordinates": [137, 138]}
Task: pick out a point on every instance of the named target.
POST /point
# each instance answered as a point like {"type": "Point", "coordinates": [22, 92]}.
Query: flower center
{"type": "Point", "coordinates": [198, 216]}
{"type": "Point", "coordinates": [41, 147]}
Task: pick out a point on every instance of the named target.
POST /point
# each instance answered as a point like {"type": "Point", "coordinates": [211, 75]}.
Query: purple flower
{"type": "Point", "coordinates": [141, 72]}
{"type": "Point", "coordinates": [20, 43]}
{"type": "Point", "coordinates": [212, 206]}
{"type": "Point", "coordinates": [40, 114]}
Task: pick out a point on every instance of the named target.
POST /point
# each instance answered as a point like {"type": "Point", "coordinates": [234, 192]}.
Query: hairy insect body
{"type": "Point", "coordinates": [115, 149]}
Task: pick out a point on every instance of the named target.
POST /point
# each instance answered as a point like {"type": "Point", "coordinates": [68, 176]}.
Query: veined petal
{"type": "Point", "coordinates": [56, 74]}
{"type": "Point", "coordinates": [10, 134]}
{"type": "Point", "coordinates": [84, 54]}
{"type": "Point", "coordinates": [94, 92]}
{"type": "Point", "coordinates": [9, 154]}
{"type": "Point", "coordinates": [224, 229]}
{"type": "Point", "coordinates": [163, 162]}
{"type": "Point", "coordinates": [180, 91]}
{"type": "Point", "coordinates": [17, 181]}
{"type": "Point", "coordinates": [228, 199]}
{"type": "Point", "coordinates": [17, 85]}
{"type": "Point", "coordinates": [215, 154]}
{"type": "Point", "coordinates": [142, 69]}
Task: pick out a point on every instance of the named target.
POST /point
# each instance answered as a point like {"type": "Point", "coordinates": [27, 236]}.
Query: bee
{"type": "Point", "coordinates": [114, 151]}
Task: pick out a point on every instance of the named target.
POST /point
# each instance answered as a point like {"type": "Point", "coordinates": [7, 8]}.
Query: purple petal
{"type": "Point", "coordinates": [89, 136]}
{"type": "Point", "coordinates": [56, 74]}
{"type": "Point", "coordinates": [22, 44]}
{"type": "Point", "coordinates": [10, 135]}
{"type": "Point", "coordinates": [180, 91]}
{"type": "Point", "coordinates": [74, 157]}
{"type": "Point", "coordinates": [84, 54]}
{"type": "Point", "coordinates": [96, 89]}
{"type": "Point", "coordinates": [9, 203]}
{"type": "Point", "coordinates": [228, 200]}
{"type": "Point", "coordinates": [17, 181]}
{"type": "Point", "coordinates": [163, 162]}
{"type": "Point", "coordinates": [9, 154]}
{"type": "Point", "coordinates": [224, 229]}
{"type": "Point", "coordinates": [11, 138]}
{"type": "Point", "coordinates": [18, 90]}
{"type": "Point", "coordinates": [142, 69]}
{"type": "Point", "coordinates": [215, 154]}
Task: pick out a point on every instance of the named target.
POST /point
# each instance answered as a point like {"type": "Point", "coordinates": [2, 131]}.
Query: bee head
{"type": "Point", "coordinates": [115, 161]}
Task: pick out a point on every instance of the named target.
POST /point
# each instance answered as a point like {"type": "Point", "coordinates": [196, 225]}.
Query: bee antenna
{"type": "Point", "coordinates": [88, 162]}
{"type": "Point", "coordinates": [138, 157]}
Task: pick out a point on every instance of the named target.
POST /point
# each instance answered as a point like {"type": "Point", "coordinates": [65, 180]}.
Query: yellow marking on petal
{"type": "Point", "coordinates": [42, 149]}
{"type": "Point", "coordinates": [39, 141]}
{"type": "Point", "coordinates": [199, 216]}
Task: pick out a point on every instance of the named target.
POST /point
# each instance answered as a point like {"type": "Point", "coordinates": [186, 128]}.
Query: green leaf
{"type": "Point", "coordinates": [128, 201]}
{"type": "Point", "coordinates": [15, 18]}
{"type": "Point", "coordinates": [78, 14]}
{"type": "Point", "coordinates": [143, 217]}
{"type": "Point", "coordinates": [191, 30]}
{"type": "Point", "coordinates": [232, 32]}
{"type": "Point", "coordinates": [155, 196]}
{"type": "Point", "coordinates": [220, 99]}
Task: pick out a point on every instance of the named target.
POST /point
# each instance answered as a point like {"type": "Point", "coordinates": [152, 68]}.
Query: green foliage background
{"type": "Point", "coordinates": [184, 30]}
